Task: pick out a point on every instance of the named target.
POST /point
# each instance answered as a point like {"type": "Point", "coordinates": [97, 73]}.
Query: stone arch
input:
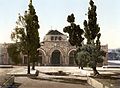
{"type": "Point", "coordinates": [42, 56]}
{"type": "Point", "coordinates": [61, 55]}
{"type": "Point", "coordinates": [71, 55]}
{"type": "Point", "coordinates": [55, 57]}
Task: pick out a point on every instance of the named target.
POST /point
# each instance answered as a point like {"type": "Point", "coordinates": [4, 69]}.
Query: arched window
{"type": "Point", "coordinates": [55, 37]}
{"type": "Point", "coordinates": [52, 38]}
{"type": "Point", "coordinates": [60, 38]}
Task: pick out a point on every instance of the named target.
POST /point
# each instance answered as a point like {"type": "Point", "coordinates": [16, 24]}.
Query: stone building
{"type": "Point", "coordinates": [4, 58]}
{"type": "Point", "coordinates": [56, 50]}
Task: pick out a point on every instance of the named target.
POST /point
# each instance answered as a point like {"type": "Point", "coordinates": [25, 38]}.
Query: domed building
{"type": "Point", "coordinates": [55, 50]}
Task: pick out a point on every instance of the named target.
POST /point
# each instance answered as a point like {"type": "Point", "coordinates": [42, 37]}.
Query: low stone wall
{"type": "Point", "coordinates": [95, 83]}
{"type": "Point", "coordinates": [8, 82]}
{"type": "Point", "coordinates": [6, 66]}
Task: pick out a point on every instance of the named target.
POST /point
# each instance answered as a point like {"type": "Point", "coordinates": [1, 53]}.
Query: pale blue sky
{"type": "Point", "coordinates": [54, 13]}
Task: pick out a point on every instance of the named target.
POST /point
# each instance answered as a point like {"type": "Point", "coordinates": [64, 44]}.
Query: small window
{"type": "Point", "coordinates": [55, 37]}
{"type": "Point", "coordinates": [52, 38]}
{"type": "Point", "coordinates": [60, 38]}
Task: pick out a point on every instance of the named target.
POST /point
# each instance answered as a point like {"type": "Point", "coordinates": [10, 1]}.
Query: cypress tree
{"type": "Point", "coordinates": [26, 33]}
{"type": "Point", "coordinates": [92, 34]}
{"type": "Point", "coordinates": [32, 27]}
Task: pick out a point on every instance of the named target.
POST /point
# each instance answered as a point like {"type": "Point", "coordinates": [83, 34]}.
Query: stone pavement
{"type": "Point", "coordinates": [20, 71]}
{"type": "Point", "coordinates": [48, 81]}
{"type": "Point", "coordinates": [26, 82]}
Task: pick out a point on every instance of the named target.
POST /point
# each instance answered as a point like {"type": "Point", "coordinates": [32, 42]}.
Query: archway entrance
{"type": "Point", "coordinates": [40, 58]}
{"type": "Point", "coordinates": [72, 58]}
{"type": "Point", "coordinates": [55, 58]}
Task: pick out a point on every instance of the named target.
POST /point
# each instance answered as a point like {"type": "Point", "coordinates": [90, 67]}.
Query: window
{"type": "Point", "coordinates": [55, 37]}
{"type": "Point", "coordinates": [60, 38]}
{"type": "Point", "coordinates": [52, 38]}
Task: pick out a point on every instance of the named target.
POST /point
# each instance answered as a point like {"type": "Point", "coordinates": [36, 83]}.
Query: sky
{"type": "Point", "coordinates": [53, 14]}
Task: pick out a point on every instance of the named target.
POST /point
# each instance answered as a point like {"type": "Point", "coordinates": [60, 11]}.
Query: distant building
{"type": "Point", "coordinates": [114, 57]}
{"type": "Point", "coordinates": [56, 50]}
{"type": "Point", "coordinates": [114, 54]}
{"type": "Point", "coordinates": [105, 48]}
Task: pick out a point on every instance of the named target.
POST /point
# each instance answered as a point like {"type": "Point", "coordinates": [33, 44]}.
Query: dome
{"type": "Point", "coordinates": [54, 32]}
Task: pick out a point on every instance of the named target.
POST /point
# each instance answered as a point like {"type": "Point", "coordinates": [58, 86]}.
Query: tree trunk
{"type": "Point", "coordinates": [95, 72]}
{"type": "Point", "coordinates": [33, 65]}
{"type": "Point", "coordinates": [28, 65]}
{"type": "Point", "coordinates": [82, 67]}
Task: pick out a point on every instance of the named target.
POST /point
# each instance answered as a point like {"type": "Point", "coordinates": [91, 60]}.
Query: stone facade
{"type": "Point", "coordinates": [4, 58]}
{"type": "Point", "coordinates": [105, 48]}
{"type": "Point", "coordinates": [56, 50]}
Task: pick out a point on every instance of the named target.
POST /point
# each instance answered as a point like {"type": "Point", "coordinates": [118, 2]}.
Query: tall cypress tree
{"type": "Point", "coordinates": [92, 34]}
{"type": "Point", "coordinates": [32, 27]}
{"type": "Point", "coordinates": [91, 27]}
{"type": "Point", "coordinates": [26, 33]}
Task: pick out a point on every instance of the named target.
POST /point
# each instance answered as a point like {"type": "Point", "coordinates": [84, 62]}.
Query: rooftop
{"type": "Point", "coordinates": [54, 32]}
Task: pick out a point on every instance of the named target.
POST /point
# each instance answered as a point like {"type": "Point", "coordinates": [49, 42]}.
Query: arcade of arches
{"type": "Point", "coordinates": [56, 58]}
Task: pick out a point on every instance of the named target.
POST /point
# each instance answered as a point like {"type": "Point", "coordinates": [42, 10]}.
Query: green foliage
{"type": "Point", "coordinates": [91, 27]}
{"type": "Point", "coordinates": [14, 53]}
{"type": "Point", "coordinates": [19, 37]}
{"type": "Point", "coordinates": [71, 18]}
{"type": "Point", "coordinates": [89, 55]}
{"type": "Point", "coordinates": [81, 58]}
{"type": "Point", "coordinates": [32, 27]}
{"type": "Point", "coordinates": [26, 33]}
{"type": "Point", "coordinates": [74, 31]}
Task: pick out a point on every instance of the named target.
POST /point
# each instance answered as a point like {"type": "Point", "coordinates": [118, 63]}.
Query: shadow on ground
{"type": "Point", "coordinates": [15, 85]}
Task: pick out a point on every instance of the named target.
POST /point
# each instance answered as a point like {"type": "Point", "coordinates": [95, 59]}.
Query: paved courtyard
{"type": "Point", "coordinates": [26, 82]}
